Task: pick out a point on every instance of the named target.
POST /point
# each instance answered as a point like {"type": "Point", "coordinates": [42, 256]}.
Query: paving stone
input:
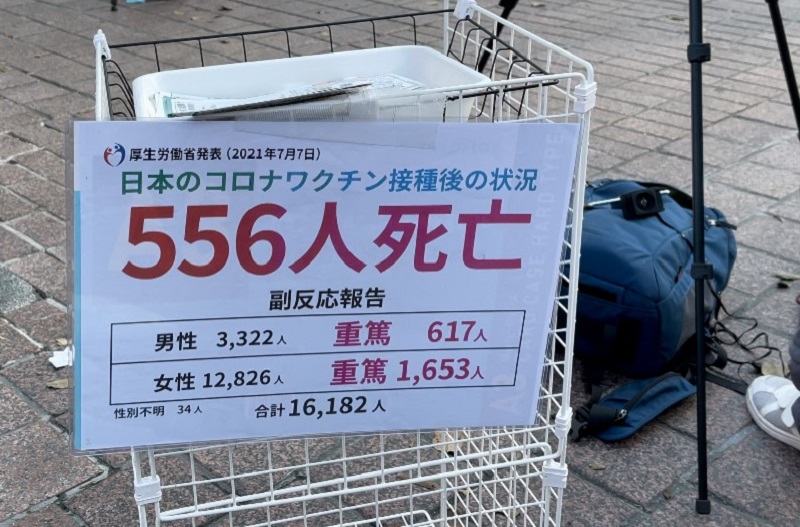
{"type": "Point", "coordinates": [58, 251]}
{"type": "Point", "coordinates": [753, 177]}
{"type": "Point", "coordinates": [14, 292]}
{"type": "Point", "coordinates": [682, 106]}
{"type": "Point", "coordinates": [57, 16]}
{"type": "Point", "coordinates": [619, 149]}
{"type": "Point", "coordinates": [22, 118]}
{"type": "Point", "coordinates": [41, 320]}
{"type": "Point", "coordinates": [632, 137]}
{"type": "Point", "coordinates": [43, 272]}
{"type": "Point", "coordinates": [633, 98]}
{"type": "Point", "coordinates": [32, 376]}
{"type": "Point", "coordinates": [716, 152]}
{"type": "Point", "coordinates": [754, 271]}
{"type": "Point", "coordinates": [721, 105]}
{"type": "Point", "coordinates": [682, 506]}
{"type": "Point", "coordinates": [41, 227]}
{"type": "Point", "coordinates": [12, 206]}
{"type": "Point", "coordinates": [43, 193]}
{"type": "Point", "coordinates": [110, 502]}
{"type": "Point", "coordinates": [734, 301]}
{"type": "Point", "coordinates": [681, 86]}
{"type": "Point", "coordinates": [37, 61]}
{"type": "Point", "coordinates": [737, 205]}
{"type": "Point", "coordinates": [601, 160]}
{"type": "Point", "coordinates": [652, 127]}
{"type": "Point", "coordinates": [11, 146]}
{"type": "Point", "coordinates": [789, 209]}
{"type": "Point", "coordinates": [71, 106]}
{"type": "Point", "coordinates": [655, 166]}
{"type": "Point", "coordinates": [13, 346]}
{"type": "Point", "coordinates": [726, 413]}
{"type": "Point", "coordinates": [51, 516]}
{"type": "Point", "coordinates": [45, 164]}
{"type": "Point", "coordinates": [758, 462]}
{"type": "Point", "coordinates": [34, 92]}
{"type": "Point", "coordinates": [586, 505]}
{"type": "Point", "coordinates": [17, 26]}
{"type": "Point", "coordinates": [12, 246]}
{"type": "Point", "coordinates": [785, 155]}
{"type": "Point", "coordinates": [10, 78]}
{"type": "Point", "coordinates": [676, 120]}
{"type": "Point", "coordinates": [740, 130]}
{"type": "Point", "coordinates": [771, 235]}
{"type": "Point", "coordinates": [9, 109]}
{"type": "Point", "coordinates": [638, 468]}
{"type": "Point", "coordinates": [40, 450]}
{"type": "Point", "coordinates": [282, 456]}
{"type": "Point", "coordinates": [11, 173]}
{"type": "Point", "coordinates": [747, 98]}
{"type": "Point", "coordinates": [778, 310]}
{"type": "Point", "coordinates": [14, 412]}
{"type": "Point", "coordinates": [773, 113]}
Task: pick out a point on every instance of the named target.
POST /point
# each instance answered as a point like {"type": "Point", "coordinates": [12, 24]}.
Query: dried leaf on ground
{"type": "Point", "coordinates": [59, 384]}
{"type": "Point", "coordinates": [773, 368]}
{"type": "Point", "coordinates": [62, 342]}
{"type": "Point", "coordinates": [596, 465]}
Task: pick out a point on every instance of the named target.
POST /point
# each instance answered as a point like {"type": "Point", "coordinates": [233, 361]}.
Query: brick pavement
{"type": "Point", "coordinates": [640, 129]}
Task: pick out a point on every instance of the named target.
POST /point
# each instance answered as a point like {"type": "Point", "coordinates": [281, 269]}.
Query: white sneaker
{"type": "Point", "coordinates": [769, 401]}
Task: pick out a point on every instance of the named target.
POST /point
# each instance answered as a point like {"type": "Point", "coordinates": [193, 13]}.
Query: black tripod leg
{"type": "Point", "coordinates": [699, 52]}
{"type": "Point", "coordinates": [508, 6]}
{"type": "Point", "coordinates": [786, 58]}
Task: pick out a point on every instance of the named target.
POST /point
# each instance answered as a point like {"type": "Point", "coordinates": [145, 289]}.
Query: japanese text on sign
{"type": "Point", "coordinates": [233, 283]}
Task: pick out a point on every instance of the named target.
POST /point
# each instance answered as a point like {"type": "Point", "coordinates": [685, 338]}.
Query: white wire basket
{"type": "Point", "coordinates": [451, 477]}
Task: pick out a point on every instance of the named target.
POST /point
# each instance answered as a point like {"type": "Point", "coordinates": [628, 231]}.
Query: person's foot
{"type": "Point", "coordinates": [769, 401]}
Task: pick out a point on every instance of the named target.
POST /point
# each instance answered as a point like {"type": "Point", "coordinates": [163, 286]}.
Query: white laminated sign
{"type": "Point", "coordinates": [237, 280]}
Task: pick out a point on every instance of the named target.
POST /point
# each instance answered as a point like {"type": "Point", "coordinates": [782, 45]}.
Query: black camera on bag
{"type": "Point", "coordinates": [641, 203]}
{"type": "Point", "coordinates": [634, 204]}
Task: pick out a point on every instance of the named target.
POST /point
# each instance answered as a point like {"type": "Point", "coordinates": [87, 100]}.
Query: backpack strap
{"type": "Point", "coordinates": [626, 409]}
{"type": "Point", "coordinates": [680, 197]}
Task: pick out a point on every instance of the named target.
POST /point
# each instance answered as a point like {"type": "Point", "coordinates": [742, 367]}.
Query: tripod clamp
{"type": "Point", "coordinates": [699, 52]}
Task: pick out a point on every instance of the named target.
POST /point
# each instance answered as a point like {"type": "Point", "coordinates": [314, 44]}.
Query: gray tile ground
{"type": "Point", "coordinates": [641, 129]}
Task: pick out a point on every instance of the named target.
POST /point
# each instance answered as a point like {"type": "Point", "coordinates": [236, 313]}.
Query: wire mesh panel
{"type": "Point", "coordinates": [454, 477]}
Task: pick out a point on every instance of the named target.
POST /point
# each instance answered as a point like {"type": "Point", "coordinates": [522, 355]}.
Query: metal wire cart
{"type": "Point", "coordinates": [490, 476]}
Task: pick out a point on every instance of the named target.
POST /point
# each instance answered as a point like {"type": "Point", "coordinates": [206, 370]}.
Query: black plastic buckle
{"type": "Point", "coordinates": [577, 430]}
{"type": "Point", "coordinates": [704, 271]}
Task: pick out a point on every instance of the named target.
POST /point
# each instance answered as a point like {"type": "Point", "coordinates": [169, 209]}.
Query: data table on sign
{"type": "Point", "coordinates": [190, 360]}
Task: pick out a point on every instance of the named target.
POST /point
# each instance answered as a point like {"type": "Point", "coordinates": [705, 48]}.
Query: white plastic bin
{"type": "Point", "coordinates": [250, 79]}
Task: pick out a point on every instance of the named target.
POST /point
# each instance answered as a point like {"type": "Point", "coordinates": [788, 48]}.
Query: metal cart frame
{"type": "Point", "coordinates": [497, 476]}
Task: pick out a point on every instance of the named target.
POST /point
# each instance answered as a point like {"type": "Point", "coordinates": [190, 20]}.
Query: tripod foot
{"type": "Point", "coordinates": [702, 506]}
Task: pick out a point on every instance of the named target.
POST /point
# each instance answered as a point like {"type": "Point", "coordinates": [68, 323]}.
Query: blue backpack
{"type": "Point", "coordinates": [635, 310]}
